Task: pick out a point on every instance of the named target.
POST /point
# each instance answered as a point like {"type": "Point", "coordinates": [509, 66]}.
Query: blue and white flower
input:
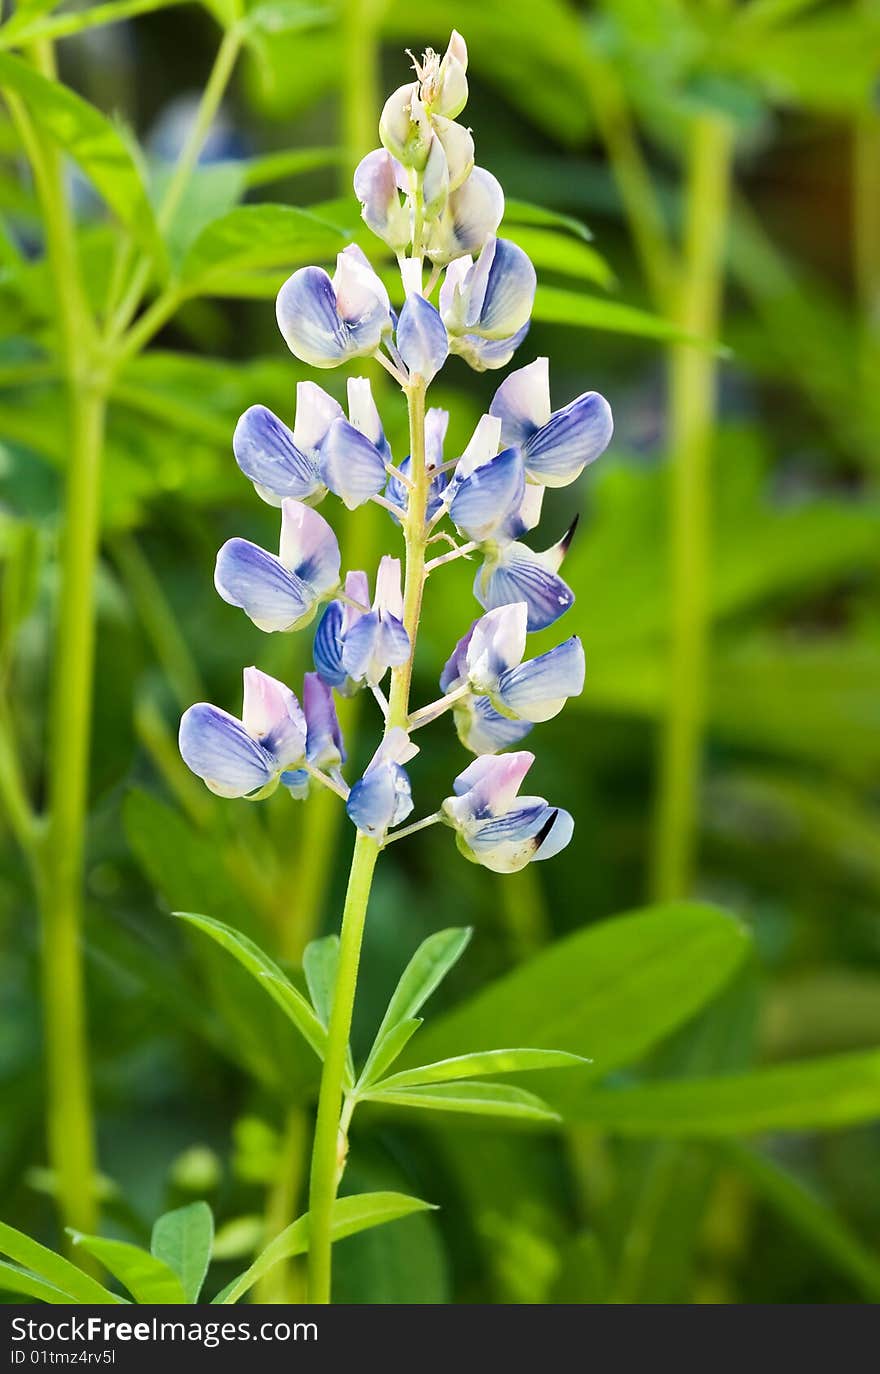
{"type": "Point", "coordinates": [488, 661]}
{"type": "Point", "coordinates": [556, 446]}
{"type": "Point", "coordinates": [327, 321]}
{"type": "Point", "coordinates": [436, 423]}
{"type": "Point", "coordinates": [383, 796]}
{"type": "Point", "coordinates": [493, 825]}
{"type": "Point", "coordinates": [379, 181]}
{"type": "Point", "coordinates": [486, 305]}
{"type": "Point", "coordinates": [356, 644]}
{"type": "Point", "coordinates": [469, 219]}
{"type": "Point", "coordinates": [246, 758]}
{"type": "Point", "coordinates": [322, 452]}
{"type": "Point", "coordinates": [422, 341]}
{"type": "Point", "coordinates": [284, 592]}
{"type": "Point", "coordinates": [325, 749]}
{"type": "Point", "coordinates": [514, 572]}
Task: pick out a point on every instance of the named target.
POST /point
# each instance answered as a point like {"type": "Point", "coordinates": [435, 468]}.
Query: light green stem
{"type": "Point", "coordinates": [330, 1143]}
{"type": "Point", "coordinates": [328, 1149]}
{"type": "Point", "coordinates": [693, 385]}
{"type": "Point", "coordinates": [358, 22]}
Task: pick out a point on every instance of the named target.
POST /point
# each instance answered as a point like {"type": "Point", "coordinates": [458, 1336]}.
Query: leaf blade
{"type": "Point", "coordinates": [489, 1061]}
{"type": "Point", "coordinates": [54, 1268]}
{"type": "Point", "coordinates": [183, 1240]}
{"type": "Point", "coordinates": [474, 1099]}
{"type": "Point", "coordinates": [149, 1280]}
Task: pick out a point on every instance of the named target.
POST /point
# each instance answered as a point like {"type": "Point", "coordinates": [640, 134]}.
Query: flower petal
{"type": "Point", "coordinates": [315, 413]}
{"type": "Point", "coordinates": [273, 716]}
{"type": "Point", "coordinates": [217, 748]}
{"type": "Point", "coordinates": [471, 218]}
{"type": "Point", "coordinates": [325, 745]}
{"type": "Point", "coordinates": [507, 843]}
{"type": "Point", "coordinates": [455, 670]}
{"type": "Point", "coordinates": [375, 185]}
{"type": "Point", "coordinates": [309, 321]}
{"type": "Point", "coordinates": [559, 451]}
{"type": "Point", "coordinates": [497, 645]}
{"type": "Point", "coordinates": [364, 415]}
{"type": "Point", "coordinates": [350, 465]}
{"type": "Point", "coordinates": [265, 451]}
{"type": "Point", "coordinates": [483, 500]}
{"type": "Point", "coordinates": [522, 402]}
{"type": "Point", "coordinates": [273, 597]}
{"type": "Point", "coordinates": [327, 646]}
{"type": "Point", "coordinates": [309, 548]}
{"type": "Point", "coordinates": [421, 338]}
{"type": "Point", "coordinates": [485, 355]}
{"type": "Point", "coordinates": [538, 690]}
{"type": "Point", "coordinates": [488, 786]}
{"type": "Point", "coordinates": [372, 646]}
{"type": "Point", "coordinates": [483, 730]}
{"type": "Point", "coordinates": [518, 574]}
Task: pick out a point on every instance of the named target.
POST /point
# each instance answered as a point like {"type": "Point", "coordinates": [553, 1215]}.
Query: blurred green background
{"type": "Point", "coordinates": [726, 159]}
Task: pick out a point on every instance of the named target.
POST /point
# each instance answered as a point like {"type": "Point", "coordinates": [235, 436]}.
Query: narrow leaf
{"type": "Point", "coordinates": [556, 305]}
{"type": "Point", "coordinates": [478, 1099]}
{"type": "Point", "coordinates": [489, 1061]}
{"type": "Point", "coordinates": [267, 974]}
{"type": "Point", "coordinates": [16, 1280]}
{"type": "Point", "coordinates": [350, 1215]}
{"type": "Point", "coordinates": [386, 1050]}
{"type": "Point", "coordinates": [148, 1280]}
{"type": "Point", "coordinates": [54, 1268]}
{"type": "Point", "coordinates": [521, 212]}
{"type": "Point", "coordinates": [425, 971]}
{"type": "Point", "coordinates": [320, 963]}
{"type": "Point", "coordinates": [183, 1240]}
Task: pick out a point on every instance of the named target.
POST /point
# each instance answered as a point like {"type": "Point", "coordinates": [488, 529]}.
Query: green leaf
{"type": "Point", "coordinates": [274, 17]}
{"type": "Point", "coordinates": [521, 212]}
{"type": "Point", "coordinates": [490, 1061]}
{"type": "Point", "coordinates": [92, 141]}
{"type": "Point", "coordinates": [554, 252]}
{"type": "Point", "coordinates": [320, 963]}
{"type": "Point", "coordinates": [556, 305]}
{"type": "Point", "coordinates": [182, 1239]}
{"type": "Point", "coordinates": [476, 1099]}
{"type": "Point", "coordinates": [278, 166]}
{"type": "Point", "coordinates": [387, 1049]}
{"type": "Point", "coordinates": [268, 975]}
{"type": "Point", "coordinates": [350, 1215]}
{"type": "Point", "coordinates": [610, 991]}
{"type": "Point", "coordinates": [147, 1279]}
{"type": "Point", "coordinates": [54, 1268]}
{"type": "Point", "coordinates": [30, 22]}
{"type": "Point", "coordinates": [809, 1095]}
{"type": "Point", "coordinates": [808, 1214]}
{"type": "Point", "coordinates": [16, 1280]}
{"type": "Point", "coordinates": [253, 237]}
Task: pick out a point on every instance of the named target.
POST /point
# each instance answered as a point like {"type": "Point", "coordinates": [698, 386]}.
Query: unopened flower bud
{"type": "Point", "coordinates": [404, 127]}
{"type": "Point", "coordinates": [444, 82]}
{"type": "Point", "coordinates": [458, 145]}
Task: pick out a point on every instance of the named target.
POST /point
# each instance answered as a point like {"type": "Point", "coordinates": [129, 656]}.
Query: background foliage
{"type": "Point", "coordinates": [723, 1145]}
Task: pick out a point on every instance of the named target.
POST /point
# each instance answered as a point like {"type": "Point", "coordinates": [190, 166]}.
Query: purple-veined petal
{"type": "Point", "coordinates": [497, 645]}
{"type": "Point", "coordinates": [421, 338]}
{"type": "Point", "coordinates": [483, 500]}
{"type": "Point", "coordinates": [309, 548]}
{"type": "Point", "coordinates": [559, 451]}
{"type": "Point", "coordinates": [522, 402]}
{"type": "Point", "coordinates": [297, 782]}
{"type": "Point", "coordinates": [265, 451]}
{"type": "Point", "coordinates": [315, 413]}
{"type": "Point", "coordinates": [372, 646]}
{"type": "Point", "coordinates": [516, 573]}
{"type": "Point", "coordinates": [273, 716]}
{"type": "Point", "coordinates": [539, 689]}
{"type": "Point", "coordinates": [327, 646]}
{"type": "Point", "coordinates": [504, 284]}
{"type": "Point", "coordinates": [273, 597]}
{"type": "Point", "coordinates": [218, 749]}
{"type": "Point", "coordinates": [376, 187]}
{"type": "Point", "coordinates": [309, 321]}
{"type": "Point", "coordinates": [483, 730]}
{"type": "Point", "coordinates": [350, 465]}
{"type": "Point", "coordinates": [325, 745]}
{"type": "Point", "coordinates": [364, 415]}
{"type": "Point", "coordinates": [507, 843]}
{"type": "Point", "coordinates": [383, 796]}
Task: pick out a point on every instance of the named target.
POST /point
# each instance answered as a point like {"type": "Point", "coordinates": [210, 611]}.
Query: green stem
{"type": "Point", "coordinates": [282, 1204]}
{"type": "Point", "coordinates": [693, 385]}
{"type": "Point", "coordinates": [328, 1151]}
{"type": "Point", "coordinates": [360, 92]}
{"type": "Point", "coordinates": [330, 1143]}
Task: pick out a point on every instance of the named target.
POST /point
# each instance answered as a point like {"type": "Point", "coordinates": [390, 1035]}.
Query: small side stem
{"type": "Point", "coordinates": [415, 537]}
{"type": "Point", "coordinates": [693, 386]}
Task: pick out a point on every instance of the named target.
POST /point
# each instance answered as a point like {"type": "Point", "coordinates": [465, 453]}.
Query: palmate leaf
{"type": "Point", "coordinates": [423, 974]}
{"type": "Point", "coordinates": [148, 1280]}
{"type": "Point", "coordinates": [55, 1269]}
{"type": "Point", "coordinates": [350, 1215]}
{"type": "Point", "coordinates": [100, 150]}
{"type": "Point", "coordinates": [474, 1099]}
{"type": "Point", "coordinates": [182, 1240]}
{"type": "Point", "coordinates": [268, 975]}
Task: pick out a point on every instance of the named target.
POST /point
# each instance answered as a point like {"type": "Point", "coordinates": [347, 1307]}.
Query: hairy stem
{"type": "Point", "coordinates": [693, 385]}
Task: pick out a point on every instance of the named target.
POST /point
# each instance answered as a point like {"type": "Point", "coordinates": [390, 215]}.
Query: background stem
{"type": "Point", "coordinates": [693, 384]}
